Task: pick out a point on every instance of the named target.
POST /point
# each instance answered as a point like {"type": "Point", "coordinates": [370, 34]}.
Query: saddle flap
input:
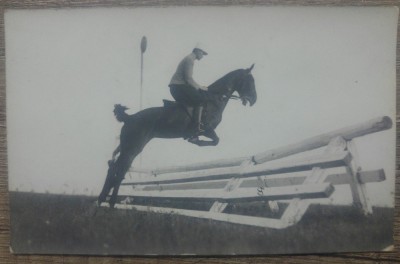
{"type": "Point", "coordinates": [168, 103]}
{"type": "Point", "coordinates": [179, 107]}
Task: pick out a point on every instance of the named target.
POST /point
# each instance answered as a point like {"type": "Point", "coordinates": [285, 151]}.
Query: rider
{"type": "Point", "coordinates": [185, 90]}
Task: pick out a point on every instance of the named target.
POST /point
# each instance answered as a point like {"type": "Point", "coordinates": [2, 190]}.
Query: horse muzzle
{"type": "Point", "coordinates": [246, 99]}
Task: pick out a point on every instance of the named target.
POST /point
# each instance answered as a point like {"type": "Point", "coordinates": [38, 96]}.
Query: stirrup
{"type": "Point", "coordinates": [194, 132]}
{"type": "Point", "coordinates": [199, 129]}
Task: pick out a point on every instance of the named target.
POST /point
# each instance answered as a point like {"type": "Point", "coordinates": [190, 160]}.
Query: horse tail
{"type": "Point", "coordinates": [119, 112]}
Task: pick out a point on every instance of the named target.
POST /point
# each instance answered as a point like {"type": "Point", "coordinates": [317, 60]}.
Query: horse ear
{"type": "Point", "coordinates": [249, 69]}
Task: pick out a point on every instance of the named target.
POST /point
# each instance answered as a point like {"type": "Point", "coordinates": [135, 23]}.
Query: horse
{"type": "Point", "coordinates": [173, 121]}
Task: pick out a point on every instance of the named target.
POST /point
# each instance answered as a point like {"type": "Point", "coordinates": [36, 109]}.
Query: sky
{"type": "Point", "coordinates": [316, 70]}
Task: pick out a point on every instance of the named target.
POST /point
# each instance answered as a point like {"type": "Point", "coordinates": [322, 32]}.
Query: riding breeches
{"type": "Point", "coordinates": [187, 95]}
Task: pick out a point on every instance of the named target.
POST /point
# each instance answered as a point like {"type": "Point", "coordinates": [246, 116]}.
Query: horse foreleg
{"type": "Point", "coordinates": [212, 135]}
{"type": "Point", "coordinates": [208, 133]}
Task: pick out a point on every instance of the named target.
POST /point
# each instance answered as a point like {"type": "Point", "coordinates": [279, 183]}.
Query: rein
{"type": "Point", "coordinates": [235, 97]}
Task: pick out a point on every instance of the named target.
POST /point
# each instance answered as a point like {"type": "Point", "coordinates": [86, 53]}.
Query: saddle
{"type": "Point", "coordinates": [169, 103]}
{"type": "Point", "coordinates": [189, 110]}
{"type": "Point", "coordinates": [172, 104]}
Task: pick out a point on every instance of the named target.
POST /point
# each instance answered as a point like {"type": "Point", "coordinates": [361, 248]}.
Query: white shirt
{"type": "Point", "coordinates": [184, 72]}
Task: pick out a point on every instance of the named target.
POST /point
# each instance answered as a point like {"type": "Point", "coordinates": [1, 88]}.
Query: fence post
{"type": "Point", "coordinates": [358, 189]}
{"type": "Point", "coordinates": [297, 207]}
{"type": "Point", "coordinates": [233, 184]}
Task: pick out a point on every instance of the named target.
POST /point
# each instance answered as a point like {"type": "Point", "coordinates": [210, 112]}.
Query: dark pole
{"type": "Point", "coordinates": [143, 46]}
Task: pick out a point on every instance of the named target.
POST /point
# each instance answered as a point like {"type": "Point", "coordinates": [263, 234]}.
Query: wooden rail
{"type": "Point", "coordinates": [299, 164]}
{"type": "Point", "coordinates": [240, 194]}
{"type": "Point", "coordinates": [347, 133]}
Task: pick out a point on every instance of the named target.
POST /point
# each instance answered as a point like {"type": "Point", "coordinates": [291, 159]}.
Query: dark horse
{"type": "Point", "coordinates": [173, 121]}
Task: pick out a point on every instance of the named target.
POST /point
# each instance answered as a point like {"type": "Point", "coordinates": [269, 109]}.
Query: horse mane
{"type": "Point", "coordinates": [221, 82]}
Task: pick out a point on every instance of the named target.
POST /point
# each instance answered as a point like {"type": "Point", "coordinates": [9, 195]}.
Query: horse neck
{"type": "Point", "coordinates": [224, 87]}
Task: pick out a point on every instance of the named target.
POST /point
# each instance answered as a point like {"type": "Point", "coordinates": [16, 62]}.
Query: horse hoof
{"type": "Point", "coordinates": [193, 139]}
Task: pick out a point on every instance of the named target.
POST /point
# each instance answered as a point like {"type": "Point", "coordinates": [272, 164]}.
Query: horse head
{"type": "Point", "coordinates": [245, 86]}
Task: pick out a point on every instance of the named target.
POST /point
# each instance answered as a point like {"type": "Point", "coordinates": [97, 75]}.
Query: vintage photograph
{"type": "Point", "coordinates": [201, 130]}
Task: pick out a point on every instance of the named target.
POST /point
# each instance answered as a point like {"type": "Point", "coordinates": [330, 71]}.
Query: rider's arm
{"type": "Point", "coordinates": [188, 74]}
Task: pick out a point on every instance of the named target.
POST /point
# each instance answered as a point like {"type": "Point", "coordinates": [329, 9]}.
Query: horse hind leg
{"type": "Point", "coordinates": [133, 140]}
{"type": "Point", "coordinates": [124, 162]}
{"type": "Point", "coordinates": [109, 183]}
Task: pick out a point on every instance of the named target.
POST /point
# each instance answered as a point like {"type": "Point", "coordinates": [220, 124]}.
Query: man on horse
{"type": "Point", "coordinates": [165, 122]}
{"type": "Point", "coordinates": [188, 92]}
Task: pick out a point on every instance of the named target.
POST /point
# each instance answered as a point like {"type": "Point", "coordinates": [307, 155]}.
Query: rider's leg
{"type": "Point", "coordinates": [197, 113]}
{"type": "Point", "coordinates": [190, 96]}
{"type": "Point", "coordinates": [197, 99]}
{"type": "Point", "coordinates": [178, 93]}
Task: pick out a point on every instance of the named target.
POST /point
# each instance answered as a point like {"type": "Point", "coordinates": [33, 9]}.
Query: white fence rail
{"type": "Point", "coordinates": [268, 177]}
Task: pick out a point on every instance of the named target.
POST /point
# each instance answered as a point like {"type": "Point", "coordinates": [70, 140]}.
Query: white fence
{"type": "Point", "coordinates": [273, 176]}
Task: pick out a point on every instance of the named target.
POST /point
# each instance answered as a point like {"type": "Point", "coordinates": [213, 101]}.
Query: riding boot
{"type": "Point", "coordinates": [197, 113]}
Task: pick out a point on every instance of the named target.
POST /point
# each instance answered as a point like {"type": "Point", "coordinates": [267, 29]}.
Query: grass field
{"type": "Point", "coordinates": [61, 224]}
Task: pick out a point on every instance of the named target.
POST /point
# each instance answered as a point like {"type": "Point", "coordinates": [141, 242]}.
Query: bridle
{"type": "Point", "coordinates": [227, 95]}
{"type": "Point", "coordinates": [235, 97]}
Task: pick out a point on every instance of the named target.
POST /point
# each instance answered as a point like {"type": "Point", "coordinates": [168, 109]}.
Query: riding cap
{"type": "Point", "coordinates": [200, 47]}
